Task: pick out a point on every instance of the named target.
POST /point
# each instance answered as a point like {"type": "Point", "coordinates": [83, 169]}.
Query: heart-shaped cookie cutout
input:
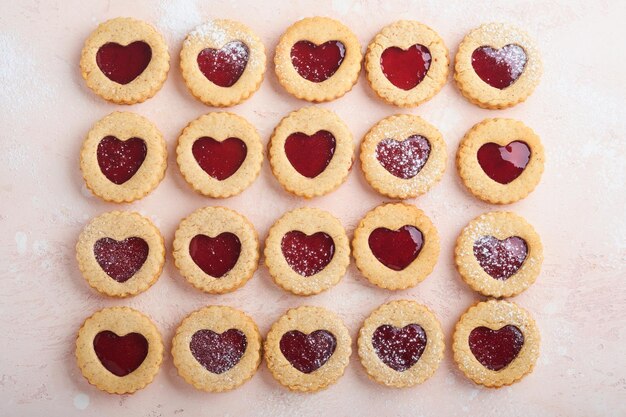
{"type": "Point", "coordinates": [396, 249]}
{"type": "Point", "coordinates": [403, 159]}
{"type": "Point", "coordinates": [310, 155]}
{"type": "Point", "coordinates": [500, 258]}
{"type": "Point", "coordinates": [405, 68]}
{"type": "Point", "coordinates": [215, 255]}
{"type": "Point", "coordinates": [496, 349]}
{"type": "Point", "coordinates": [317, 63]}
{"type": "Point", "coordinates": [121, 259]}
{"type": "Point", "coordinates": [120, 355]}
{"type": "Point", "coordinates": [118, 159]}
{"type": "Point", "coordinates": [224, 67]}
{"type": "Point", "coordinates": [499, 68]}
{"type": "Point", "coordinates": [122, 64]}
{"type": "Point", "coordinates": [399, 347]}
{"type": "Point", "coordinates": [504, 164]}
{"type": "Point", "coordinates": [216, 352]}
{"type": "Point", "coordinates": [307, 255]}
{"type": "Point", "coordinates": [308, 352]}
{"type": "Point", "coordinates": [219, 159]}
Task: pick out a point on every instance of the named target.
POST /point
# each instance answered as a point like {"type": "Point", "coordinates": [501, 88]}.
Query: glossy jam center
{"type": "Point", "coordinates": [405, 68]}
{"type": "Point", "coordinates": [317, 63]}
{"type": "Point", "coordinates": [496, 349]}
{"type": "Point", "coordinates": [219, 159]}
{"type": "Point", "coordinates": [503, 164]}
{"type": "Point", "coordinates": [121, 259]}
{"type": "Point", "coordinates": [118, 159]}
{"type": "Point", "coordinates": [396, 249]}
{"type": "Point", "coordinates": [500, 258]}
{"type": "Point", "coordinates": [224, 66]}
{"type": "Point", "coordinates": [218, 352]}
{"type": "Point", "coordinates": [399, 348]}
{"type": "Point", "coordinates": [215, 255]}
{"type": "Point", "coordinates": [308, 352]}
{"type": "Point", "coordinates": [310, 155]}
{"type": "Point", "coordinates": [122, 64]}
{"type": "Point", "coordinates": [120, 355]}
{"type": "Point", "coordinates": [499, 67]}
{"type": "Point", "coordinates": [307, 255]}
{"type": "Point", "coordinates": [403, 159]}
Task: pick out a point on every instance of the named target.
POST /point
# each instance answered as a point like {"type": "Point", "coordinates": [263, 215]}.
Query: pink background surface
{"type": "Point", "coordinates": [578, 300]}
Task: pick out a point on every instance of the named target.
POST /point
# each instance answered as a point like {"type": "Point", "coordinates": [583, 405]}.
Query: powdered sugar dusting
{"type": "Point", "coordinates": [403, 159]}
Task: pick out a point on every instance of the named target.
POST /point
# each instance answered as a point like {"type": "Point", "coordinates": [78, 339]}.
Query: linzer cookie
{"type": "Point", "coordinates": [125, 61]}
{"type": "Point", "coordinates": [497, 66]}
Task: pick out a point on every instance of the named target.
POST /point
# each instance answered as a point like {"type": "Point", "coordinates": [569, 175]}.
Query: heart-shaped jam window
{"type": "Point", "coordinates": [310, 155]}
{"type": "Point", "coordinates": [405, 68]}
{"type": "Point", "coordinates": [500, 258]}
{"type": "Point", "coordinates": [215, 255]}
{"type": "Point", "coordinates": [317, 63]}
{"type": "Point", "coordinates": [399, 348]}
{"type": "Point", "coordinates": [496, 349]}
{"type": "Point", "coordinates": [121, 259]}
{"type": "Point", "coordinates": [224, 66]}
{"type": "Point", "coordinates": [396, 249]}
{"type": "Point", "coordinates": [307, 255]}
{"type": "Point", "coordinates": [122, 64]}
{"type": "Point", "coordinates": [499, 67]}
{"type": "Point", "coordinates": [503, 164]}
{"type": "Point", "coordinates": [308, 352]}
{"type": "Point", "coordinates": [120, 355]}
{"type": "Point", "coordinates": [403, 159]}
{"type": "Point", "coordinates": [219, 159]}
{"type": "Point", "coordinates": [118, 159]}
{"type": "Point", "coordinates": [218, 352]}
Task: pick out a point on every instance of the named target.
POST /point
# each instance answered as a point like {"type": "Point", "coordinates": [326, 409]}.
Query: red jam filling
{"type": "Point", "coordinates": [215, 255]}
{"type": "Point", "coordinates": [405, 68]}
{"type": "Point", "coordinates": [396, 249]}
{"type": "Point", "coordinates": [499, 67]}
{"type": "Point", "coordinates": [120, 355]}
{"type": "Point", "coordinates": [121, 259]}
{"type": "Point", "coordinates": [500, 258]}
{"type": "Point", "coordinates": [317, 63]}
{"type": "Point", "coordinates": [310, 155]}
{"type": "Point", "coordinates": [403, 159]}
{"type": "Point", "coordinates": [122, 64]}
{"type": "Point", "coordinates": [219, 159]}
{"type": "Point", "coordinates": [308, 352]}
{"type": "Point", "coordinates": [307, 255]}
{"type": "Point", "coordinates": [496, 349]}
{"type": "Point", "coordinates": [503, 164]}
{"type": "Point", "coordinates": [399, 348]}
{"type": "Point", "coordinates": [118, 159]}
{"type": "Point", "coordinates": [218, 352]}
{"type": "Point", "coordinates": [224, 66]}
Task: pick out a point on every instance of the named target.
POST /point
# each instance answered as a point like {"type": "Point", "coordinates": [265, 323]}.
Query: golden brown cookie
{"type": "Point", "coordinates": [500, 160]}
{"type": "Point", "coordinates": [406, 63]}
{"type": "Point", "coordinates": [120, 253]}
{"type": "Point", "coordinates": [401, 344]}
{"type": "Point", "coordinates": [222, 62]}
{"type": "Point", "coordinates": [217, 348]}
{"type": "Point", "coordinates": [403, 156]}
{"type": "Point", "coordinates": [496, 343]}
{"type": "Point", "coordinates": [308, 349]}
{"type": "Point", "coordinates": [125, 61]}
{"type": "Point", "coordinates": [307, 251]}
{"type": "Point", "coordinates": [318, 59]}
{"type": "Point", "coordinates": [119, 350]}
{"type": "Point", "coordinates": [123, 157]}
{"type": "Point", "coordinates": [499, 254]}
{"type": "Point", "coordinates": [216, 249]}
{"type": "Point", "coordinates": [395, 246]}
{"type": "Point", "coordinates": [219, 154]}
{"type": "Point", "coordinates": [497, 66]}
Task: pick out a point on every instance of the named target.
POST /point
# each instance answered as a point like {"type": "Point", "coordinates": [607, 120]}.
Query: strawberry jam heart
{"type": "Point", "coordinates": [499, 67]}
{"type": "Point", "coordinates": [120, 355]}
{"type": "Point", "coordinates": [121, 259]}
{"type": "Point", "coordinates": [399, 348]}
{"type": "Point", "coordinates": [403, 159]}
{"type": "Point", "coordinates": [503, 164]}
{"type": "Point", "coordinates": [219, 159]}
{"type": "Point", "coordinates": [224, 66]}
{"type": "Point", "coordinates": [405, 68]}
{"type": "Point", "coordinates": [215, 255]}
{"type": "Point", "coordinates": [307, 255]}
{"type": "Point", "coordinates": [317, 63]}
{"type": "Point", "coordinates": [396, 249]}
{"type": "Point", "coordinates": [308, 352]}
{"type": "Point", "coordinates": [218, 352]}
{"type": "Point", "coordinates": [500, 258]}
{"type": "Point", "coordinates": [122, 64]}
{"type": "Point", "coordinates": [118, 159]}
{"type": "Point", "coordinates": [310, 155]}
{"type": "Point", "coordinates": [496, 349]}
